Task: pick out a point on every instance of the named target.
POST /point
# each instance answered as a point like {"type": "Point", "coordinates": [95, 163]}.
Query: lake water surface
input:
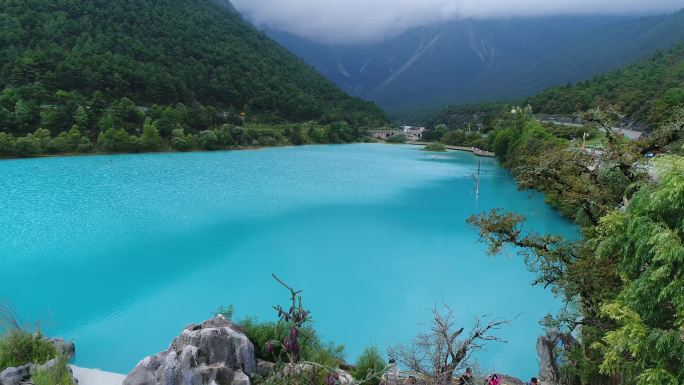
{"type": "Point", "coordinates": [119, 253]}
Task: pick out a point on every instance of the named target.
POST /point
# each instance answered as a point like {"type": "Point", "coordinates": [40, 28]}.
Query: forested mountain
{"type": "Point", "coordinates": [645, 91]}
{"type": "Point", "coordinates": [469, 61]}
{"type": "Point", "coordinates": [189, 64]}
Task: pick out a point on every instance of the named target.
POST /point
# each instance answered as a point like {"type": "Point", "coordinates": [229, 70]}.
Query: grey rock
{"type": "Point", "coordinates": [344, 378]}
{"type": "Point", "coordinates": [213, 352]}
{"type": "Point", "coordinates": [66, 347]}
{"type": "Point", "coordinates": [46, 366]}
{"type": "Point", "coordinates": [16, 375]}
{"type": "Point", "coordinates": [509, 380]}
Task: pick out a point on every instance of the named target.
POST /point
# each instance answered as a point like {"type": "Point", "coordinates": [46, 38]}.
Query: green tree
{"type": "Point", "coordinates": [81, 118]}
{"type": "Point", "coordinates": [151, 140]}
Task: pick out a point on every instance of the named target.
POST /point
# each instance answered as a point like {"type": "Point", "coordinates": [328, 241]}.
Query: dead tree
{"type": "Point", "coordinates": [438, 353]}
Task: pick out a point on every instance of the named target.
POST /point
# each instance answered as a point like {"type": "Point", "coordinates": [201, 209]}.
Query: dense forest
{"type": "Point", "coordinates": [191, 65]}
{"type": "Point", "coordinates": [645, 91]}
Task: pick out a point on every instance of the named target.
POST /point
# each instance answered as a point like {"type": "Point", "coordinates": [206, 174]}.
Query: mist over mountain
{"type": "Point", "coordinates": [361, 21]}
{"type": "Point", "coordinates": [465, 61]}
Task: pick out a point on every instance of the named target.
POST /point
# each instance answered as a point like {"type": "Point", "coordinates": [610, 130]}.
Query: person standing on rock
{"type": "Point", "coordinates": [392, 374]}
{"type": "Point", "coordinates": [466, 378]}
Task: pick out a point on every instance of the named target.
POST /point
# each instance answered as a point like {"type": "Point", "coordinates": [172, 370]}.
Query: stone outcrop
{"type": "Point", "coordinates": [508, 380]}
{"type": "Point", "coordinates": [213, 352]}
{"type": "Point", "coordinates": [21, 375]}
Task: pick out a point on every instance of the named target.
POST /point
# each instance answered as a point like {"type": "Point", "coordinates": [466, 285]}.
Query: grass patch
{"type": "Point", "coordinates": [57, 375]}
{"type": "Point", "coordinates": [435, 147]}
{"type": "Point", "coordinates": [18, 347]}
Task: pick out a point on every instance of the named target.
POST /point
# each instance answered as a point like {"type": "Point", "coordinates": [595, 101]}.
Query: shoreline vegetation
{"type": "Point", "coordinates": [622, 282]}
{"type": "Point", "coordinates": [223, 138]}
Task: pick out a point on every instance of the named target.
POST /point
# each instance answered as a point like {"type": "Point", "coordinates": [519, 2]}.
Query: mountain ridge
{"type": "Point", "coordinates": [487, 60]}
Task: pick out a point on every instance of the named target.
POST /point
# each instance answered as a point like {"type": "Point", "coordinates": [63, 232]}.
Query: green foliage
{"type": "Point", "coordinates": [435, 147]}
{"type": "Point", "coordinates": [57, 375]}
{"type": "Point", "coordinates": [572, 132]}
{"type": "Point", "coordinates": [649, 309]}
{"type": "Point", "coordinates": [18, 347]}
{"type": "Point", "coordinates": [466, 139]}
{"type": "Point", "coordinates": [645, 91]}
{"type": "Point", "coordinates": [470, 117]}
{"type": "Point", "coordinates": [369, 362]}
{"type": "Point", "coordinates": [110, 64]}
{"type": "Point", "coordinates": [397, 139]}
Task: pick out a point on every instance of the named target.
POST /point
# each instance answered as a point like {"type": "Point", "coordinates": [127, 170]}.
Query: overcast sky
{"type": "Point", "coordinates": [358, 21]}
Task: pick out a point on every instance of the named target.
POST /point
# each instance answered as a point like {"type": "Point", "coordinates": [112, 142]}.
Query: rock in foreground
{"type": "Point", "coordinates": [213, 352]}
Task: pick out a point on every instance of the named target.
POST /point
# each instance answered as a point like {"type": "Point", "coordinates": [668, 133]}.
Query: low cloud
{"type": "Point", "coordinates": [359, 21]}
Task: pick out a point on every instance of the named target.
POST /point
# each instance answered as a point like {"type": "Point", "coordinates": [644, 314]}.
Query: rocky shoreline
{"type": "Point", "coordinates": [215, 352]}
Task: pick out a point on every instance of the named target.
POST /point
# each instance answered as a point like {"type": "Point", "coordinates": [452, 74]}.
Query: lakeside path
{"type": "Point", "coordinates": [474, 150]}
{"type": "Point", "coordinates": [96, 376]}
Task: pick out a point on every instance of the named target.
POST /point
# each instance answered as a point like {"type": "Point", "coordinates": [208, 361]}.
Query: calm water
{"type": "Point", "coordinates": [119, 253]}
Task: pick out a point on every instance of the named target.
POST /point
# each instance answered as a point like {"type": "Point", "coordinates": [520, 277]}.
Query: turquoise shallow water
{"type": "Point", "coordinates": [119, 253]}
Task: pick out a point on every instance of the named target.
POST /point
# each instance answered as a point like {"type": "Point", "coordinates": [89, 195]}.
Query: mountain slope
{"type": "Point", "coordinates": [197, 52]}
{"type": "Point", "coordinates": [645, 91]}
{"type": "Point", "coordinates": [469, 61]}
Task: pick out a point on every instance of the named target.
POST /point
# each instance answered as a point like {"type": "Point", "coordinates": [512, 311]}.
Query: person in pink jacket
{"type": "Point", "coordinates": [493, 379]}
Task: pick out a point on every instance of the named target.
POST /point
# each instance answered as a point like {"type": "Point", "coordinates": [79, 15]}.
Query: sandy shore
{"type": "Point", "coordinates": [96, 377]}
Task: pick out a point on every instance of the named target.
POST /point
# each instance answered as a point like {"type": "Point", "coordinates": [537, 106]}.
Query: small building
{"type": "Point", "coordinates": [413, 133]}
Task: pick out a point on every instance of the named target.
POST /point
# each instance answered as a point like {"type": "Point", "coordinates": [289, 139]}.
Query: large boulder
{"type": "Point", "coordinates": [213, 352]}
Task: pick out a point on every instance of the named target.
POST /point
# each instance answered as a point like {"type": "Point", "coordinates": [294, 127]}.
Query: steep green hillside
{"type": "Point", "coordinates": [66, 62]}
{"type": "Point", "coordinates": [644, 91]}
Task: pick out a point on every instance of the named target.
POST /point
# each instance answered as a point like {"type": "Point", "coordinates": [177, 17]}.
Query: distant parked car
{"type": "Point", "coordinates": [650, 155]}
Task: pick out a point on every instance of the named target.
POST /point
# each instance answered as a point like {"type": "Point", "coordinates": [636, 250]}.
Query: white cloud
{"type": "Point", "coordinates": [357, 21]}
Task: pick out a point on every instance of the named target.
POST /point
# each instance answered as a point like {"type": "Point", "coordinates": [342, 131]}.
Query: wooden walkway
{"type": "Point", "coordinates": [474, 150]}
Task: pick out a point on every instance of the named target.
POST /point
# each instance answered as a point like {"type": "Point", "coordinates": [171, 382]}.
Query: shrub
{"type": "Point", "coordinates": [370, 361]}
{"type": "Point", "coordinates": [27, 146]}
{"type": "Point", "coordinates": [18, 347]}
{"type": "Point", "coordinates": [312, 348]}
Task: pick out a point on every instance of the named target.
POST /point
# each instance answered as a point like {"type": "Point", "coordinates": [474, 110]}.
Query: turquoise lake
{"type": "Point", "coordinates": [119, 253]}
